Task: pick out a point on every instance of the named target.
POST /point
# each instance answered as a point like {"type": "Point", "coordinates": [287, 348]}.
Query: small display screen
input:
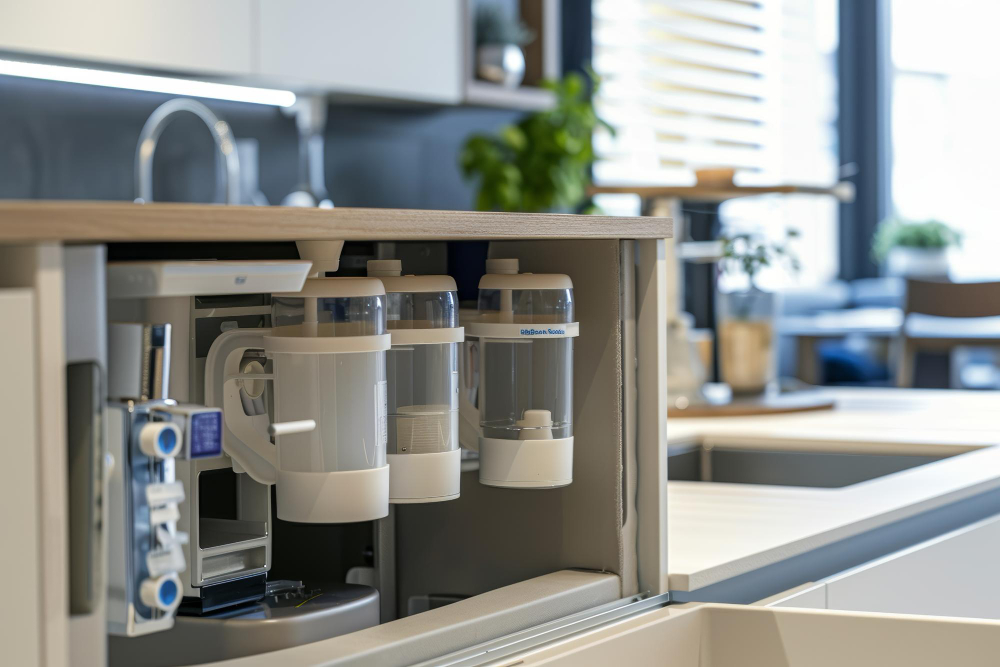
{"type": "Point", "coordinates": [206, 434]}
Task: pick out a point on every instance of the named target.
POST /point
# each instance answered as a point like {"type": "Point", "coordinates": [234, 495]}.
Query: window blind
{"type": "Point", "coordinates": [685, 83]}
{"type": "Point", "coordinates": [710, 83]}
{"type": "Point", "coordinates": [746, 84]}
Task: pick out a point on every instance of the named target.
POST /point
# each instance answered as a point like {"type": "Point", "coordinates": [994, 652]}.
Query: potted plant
{"type": "Point", "coordinates": [499, 38]}
{"type": "Point", "coordinates": [913, 249]}
{"type": "Point", "coordinates": [543, 162]}
{"type": "Point", "coordinates": [745, 317]}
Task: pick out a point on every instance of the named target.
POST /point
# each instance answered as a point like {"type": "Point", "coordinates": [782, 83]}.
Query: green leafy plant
{"type": "Point", "coordinates": [899, 233]}
{"type": "Point", "coordinates": [495, 26]}
{"type": "Point", "coordinates": [749, 253]}
{"type": "Point", "coordinates": [543, 162]}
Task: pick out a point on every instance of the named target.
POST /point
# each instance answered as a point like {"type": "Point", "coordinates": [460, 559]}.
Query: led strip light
{"type": "Point", "coordinates": [147, 82]}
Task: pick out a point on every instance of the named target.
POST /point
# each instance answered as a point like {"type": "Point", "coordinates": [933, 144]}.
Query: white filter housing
{"type": "Point", "coordinates": [422, 385]}
{"type": "Point", "coordinates": [525, 331]}
{"type": "Point", "coordinates": [327, 348]}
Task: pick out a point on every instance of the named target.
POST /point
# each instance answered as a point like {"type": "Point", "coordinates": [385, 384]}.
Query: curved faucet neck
{"type": "Point", "coordinates": [227, 160]}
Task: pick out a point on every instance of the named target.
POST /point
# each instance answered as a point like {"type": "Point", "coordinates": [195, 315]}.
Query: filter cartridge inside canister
{"type": "Point", "coordinates": [536, 425]}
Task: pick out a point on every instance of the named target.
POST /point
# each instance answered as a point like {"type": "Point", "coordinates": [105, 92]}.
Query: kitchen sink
{"type": "Point", "coordinates": [828, 470]}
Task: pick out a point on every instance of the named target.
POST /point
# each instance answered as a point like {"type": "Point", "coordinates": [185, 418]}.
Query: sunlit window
{"type": "Point", "coordinates": [750, 85]}
{"type": "Point", "coordinates": [945, 101]}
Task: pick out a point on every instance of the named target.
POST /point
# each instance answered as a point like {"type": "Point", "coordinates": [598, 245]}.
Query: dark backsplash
{"type": "Point", "coordinates": [69, 141]}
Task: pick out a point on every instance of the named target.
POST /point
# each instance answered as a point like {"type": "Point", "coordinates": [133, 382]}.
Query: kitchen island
{"type": "Point", "coordinates": [738, 542]}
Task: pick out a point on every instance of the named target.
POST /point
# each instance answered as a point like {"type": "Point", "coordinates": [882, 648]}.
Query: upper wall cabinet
{"type": "Point", "coordinates": [399, 49]}
{"type": "Point", "coordinates": [189, 36]}
{"type": "Point", "coordinates": [412, 50]}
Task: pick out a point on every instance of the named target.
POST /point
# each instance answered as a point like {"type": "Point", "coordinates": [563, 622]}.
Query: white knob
{"type": "Point", "coordinates": [504, 266]}
{"type": "Point", "coordinates": [536, 425]}
{"type": "Point", "coordinates": [384, 267]}
{"type": "Point", "coordinates": [325, 255]}
{"type": "Point", "coordinates": [160, 440]}
{"type": "Point", "coordinates": [163, 592]}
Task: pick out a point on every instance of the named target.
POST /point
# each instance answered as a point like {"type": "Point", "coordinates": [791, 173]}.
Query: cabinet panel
{"type": "Point", "coordinates": [806, 596]}
{"type": "Point", "coordinates": [181, 35]}
{"type": "Point", "coordinates": [391, 48]}
{"type": "Point", "coordinates": [19, 482]}
{"type": "Point", "coordinates": [953, 575]}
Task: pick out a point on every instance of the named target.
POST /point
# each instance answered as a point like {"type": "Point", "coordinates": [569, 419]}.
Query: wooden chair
{"type": "Point", "coordinates": [942, 299]}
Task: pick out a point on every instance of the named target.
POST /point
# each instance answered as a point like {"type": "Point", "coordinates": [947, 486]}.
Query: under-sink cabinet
{"type": "Point", "coordinates": [955, 574]}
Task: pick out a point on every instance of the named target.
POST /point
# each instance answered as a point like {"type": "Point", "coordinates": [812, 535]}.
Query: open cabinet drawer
{"type": "Point", "coordinates": [714, 635]}
{"type": "Point", "coordinates": [952, 575]}
{"type": "Point", "coordinates": [511, 558]}
{"type": "Point", "coordinates": [405, 641]}
{"type": "Point", "coordinates": [451, 628]}
{"type": "Point", "coordinates": [507, 559]}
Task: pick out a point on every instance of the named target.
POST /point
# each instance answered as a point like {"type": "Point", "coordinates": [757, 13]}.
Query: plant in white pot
{"type": "Point", "coordinates": [912, 249]}
{"type": "Point", "coordinates": [745, 317]}
{"type": "Point", "coordinates": [499, 38]}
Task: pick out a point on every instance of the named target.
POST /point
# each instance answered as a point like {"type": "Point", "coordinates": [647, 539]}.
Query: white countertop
{"type": "Point", "coordinates": [718, 531]}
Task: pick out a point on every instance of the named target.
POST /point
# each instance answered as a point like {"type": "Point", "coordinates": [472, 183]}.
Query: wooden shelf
{"type": "Point", "coordinates": [800, 401]}
{"type": "Point", "coordinates": [843, 191]}
{"type": "Point", "coordinates": [39, 220]}
{"type": "Point", "coordinates": [526, 98]}
{"type": "Point", "coordinates": [542, 59]}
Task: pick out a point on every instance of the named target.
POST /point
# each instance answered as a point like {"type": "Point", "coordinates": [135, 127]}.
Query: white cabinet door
{"type": "Point", "coordinates": [957, 574]}
{"type": "Point", "coordinates": [399, 49]}
{"type": "Point", "coordinates": [195, 36]}
{"type": "Point", "coordinates": [23, 625]}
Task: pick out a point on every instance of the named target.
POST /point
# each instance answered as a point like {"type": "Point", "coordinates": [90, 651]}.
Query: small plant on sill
{"type": "Point", "coordinates": [748, 254]}
{"type": "Point", "coordinates": [543, 162]}
{"type": "Point", "coordinates": [899, 233]}
{"type": "Point", "coordinates": [745, 319]}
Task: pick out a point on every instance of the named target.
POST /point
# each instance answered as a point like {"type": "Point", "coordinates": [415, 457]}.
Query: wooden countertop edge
{"type": "Point", "coordinates": [714, 574]}
{"type": "Point", "coordinates": [23, 221]}
{"type": "Point", "coordinates": [843, 191]}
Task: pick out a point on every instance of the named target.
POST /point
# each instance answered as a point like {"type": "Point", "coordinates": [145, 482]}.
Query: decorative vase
{"type": "Point", "coordinates": [747, 341]}
{"type": "Point", "coordinates": [500, 63]}
{"type": "Point", "coordinates": [906, 262]}
{"type": "Point", "coordinates": [685, 370]}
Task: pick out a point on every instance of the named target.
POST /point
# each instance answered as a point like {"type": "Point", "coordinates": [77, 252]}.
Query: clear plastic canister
{"type": "Point", "coordinates": [525, 327]}
{"type": "Point", "coordinates": [422, 399]}
{"type": "Point", "coordinates": [340, 385]}
{"type": "Point", "coordinates": [328, 305]}
{"type": "Point", "coordinates": [422, 387]}
{"type": "Point", "coordinates": [528, 377]}
{"type": "Point", "coordinates": [528, 389]}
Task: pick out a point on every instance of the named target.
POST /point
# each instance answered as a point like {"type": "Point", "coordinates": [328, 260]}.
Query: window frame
{"type": "Point", "coordinates": [864, 132]}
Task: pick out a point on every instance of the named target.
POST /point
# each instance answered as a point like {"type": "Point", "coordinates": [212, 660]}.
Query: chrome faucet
{"type": "Point", "coordinates": [227, 162]}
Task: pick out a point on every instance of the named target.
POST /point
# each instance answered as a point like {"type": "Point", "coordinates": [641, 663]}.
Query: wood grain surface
{"type": "Point", "coordinates": [803, 401]}
{"type": "Point", "coordinates": [711, 193]}
{"type": "Point", "coordinates": [34, 221]}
